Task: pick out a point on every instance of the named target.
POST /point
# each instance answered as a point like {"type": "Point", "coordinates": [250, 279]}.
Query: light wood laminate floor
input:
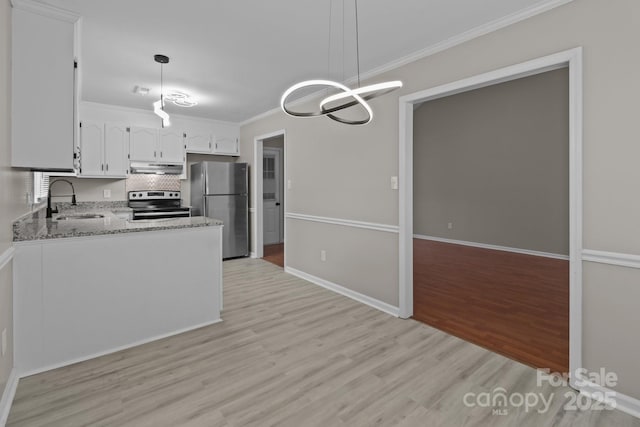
{"type": "Point", "coordinates": [290, 353]}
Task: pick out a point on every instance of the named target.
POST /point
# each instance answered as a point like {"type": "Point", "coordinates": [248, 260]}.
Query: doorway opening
{"type": "Point", "coordinates": [272, 200]}
{"type": "Point", "coordinates": [491, 217]}
{"type": "Point", "coordinates": [269, 198]}
{"type": "Point", "coordinates": [459, 253]}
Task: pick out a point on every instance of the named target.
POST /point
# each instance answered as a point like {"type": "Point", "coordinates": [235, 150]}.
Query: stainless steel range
{"type": "Point", "coordinates": [157, 205]}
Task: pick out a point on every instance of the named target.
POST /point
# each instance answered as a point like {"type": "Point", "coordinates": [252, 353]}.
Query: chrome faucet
{"type": "Point", "coordinates": [49, 196]}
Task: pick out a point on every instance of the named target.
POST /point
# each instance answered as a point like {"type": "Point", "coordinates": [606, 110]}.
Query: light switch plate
{"type": "Point", "coordinates": [4, 341]}
{"type": "Point", "coordinates": [394, 182]}
{"type": "Point", "coordinates": [288, 184]}
{"type": "Point", "coordinates": [106, 194]}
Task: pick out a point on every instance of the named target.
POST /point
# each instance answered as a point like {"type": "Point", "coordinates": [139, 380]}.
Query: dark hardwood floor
{"type": "Point", "coordinates": [514, 304]}
{"type": "Point", "coordinates": [274, 254]}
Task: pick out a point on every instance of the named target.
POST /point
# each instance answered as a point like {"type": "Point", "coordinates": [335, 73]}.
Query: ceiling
{"type": "Point", "coordinates": [236, 57]}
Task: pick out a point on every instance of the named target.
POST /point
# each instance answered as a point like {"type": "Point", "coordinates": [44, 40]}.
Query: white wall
{"type": "Point", "coordinates": [343, 171]}
{"type": "Point", "coordinates": [14, 185]}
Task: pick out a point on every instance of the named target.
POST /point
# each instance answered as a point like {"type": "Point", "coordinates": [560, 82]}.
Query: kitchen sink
{"type": "Point", "coordinates": [79, 216]}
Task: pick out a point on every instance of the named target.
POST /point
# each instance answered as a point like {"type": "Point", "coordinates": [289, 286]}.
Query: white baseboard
{"type": "Point", "coordinates": [23, 374]}
{"type": "Point", "coordinates": [493, 247]}
{"type": "Point", "coordinates": [253, 255]}
{"type": "Point", "coordinates": [7, 397]}
{"type": "Point", "coordinates": [364, 299]}
{"type": "Point", "coordinates": [624, 403]}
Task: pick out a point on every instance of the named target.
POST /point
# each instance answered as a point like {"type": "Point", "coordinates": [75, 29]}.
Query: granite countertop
{"type": "Point", "coordinates": [35, 226]}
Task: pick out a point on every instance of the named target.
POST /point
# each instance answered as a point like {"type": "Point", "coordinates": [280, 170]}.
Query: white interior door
{"type": "Point", "coordinates": [272, 206]}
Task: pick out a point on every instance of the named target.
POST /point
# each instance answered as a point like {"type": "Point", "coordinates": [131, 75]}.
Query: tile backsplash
{"type": "Point", "coordinates": [141, 182]}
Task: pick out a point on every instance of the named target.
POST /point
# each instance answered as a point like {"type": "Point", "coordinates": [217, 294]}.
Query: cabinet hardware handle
{"type": "Point", "coordinates": [107, 166]}
{"type": "Point", "coordinates": [102, 167]}
{"type": "Point", "coordinates": [161, 154]}
{"type": "Point", "coordinates": [154, 154]}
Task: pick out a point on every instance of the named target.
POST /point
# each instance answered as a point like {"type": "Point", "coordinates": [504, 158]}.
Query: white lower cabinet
{"type": "Point", "coordinates": [77, 298]}
{"type": "Point", "coordinates": [104, 149]}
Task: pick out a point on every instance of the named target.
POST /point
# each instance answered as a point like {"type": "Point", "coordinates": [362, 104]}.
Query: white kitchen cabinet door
{"type": "Point", "coordinates": [116, 150]}
{"type": "Point", "coordinates": [198, 143]}
{"type": "Point", "coordinates": [170, 146]}
{"type": "Point", "coordinates": [226, 146]}
{"type": "Point", "coordinates": [143, 144]}
{"type": "Point", "coordinates": [43, 127]}
{"type": "Point", "coordinates": [91, 148]}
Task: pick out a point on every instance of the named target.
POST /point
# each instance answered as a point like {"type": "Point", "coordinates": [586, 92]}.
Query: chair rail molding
{"type": "Point", "coordinates": [611, 258]}
{"type": "Point", "coordinates": [344, 222]}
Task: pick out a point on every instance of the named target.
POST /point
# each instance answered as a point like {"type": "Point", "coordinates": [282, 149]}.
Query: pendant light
{"type": "Point", "coordinates": [158, 106]}
{"type": "Point", "coordinates": [347, 97]}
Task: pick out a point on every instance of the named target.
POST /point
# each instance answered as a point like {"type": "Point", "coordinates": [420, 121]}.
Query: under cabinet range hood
{"type": "Point", "coordinates": [157, 168]}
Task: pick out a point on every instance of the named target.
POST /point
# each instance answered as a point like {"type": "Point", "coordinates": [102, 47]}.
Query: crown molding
{"type": "Point", "coordinates": [45, 10]}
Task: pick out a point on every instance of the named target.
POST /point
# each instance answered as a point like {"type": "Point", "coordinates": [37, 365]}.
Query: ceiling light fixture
{"type": "Point", "coordinates": [351, 97]}
{"type": "Point", "coordinates": [158, 106]}
{"type": "Point", "coordinates": [181, 99]}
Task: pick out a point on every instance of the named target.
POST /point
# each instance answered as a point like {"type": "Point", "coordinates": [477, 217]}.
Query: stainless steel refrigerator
{"type": "Point", "coordinates": [220, 190]}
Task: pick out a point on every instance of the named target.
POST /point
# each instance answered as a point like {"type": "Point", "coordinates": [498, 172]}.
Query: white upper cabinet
{"type": "Point", "coordinates": [116, 149]}
{"type": "Point", "coordinates": [91, 148]}
{"type": "Point", "coordinates": [226, 145]}
{"type": "Point", "coordinates": [198, 142]}
{"type": "Point", "coordinates": [104, 149]}
{"type": "Point", "coordinates": [171, 146]}
{"type": "Point", "coordinates": [156, 146]}
{"type": "Point", "coordinates": [144, 144]}
{"type": "Point", "coordinates": [43, 101]}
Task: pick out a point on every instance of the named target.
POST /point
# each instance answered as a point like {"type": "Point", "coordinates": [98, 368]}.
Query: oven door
{"type": "Point", "coordinates": [161, 214]}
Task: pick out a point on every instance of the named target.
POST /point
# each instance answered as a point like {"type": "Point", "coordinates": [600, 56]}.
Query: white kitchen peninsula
{"type": "Point", "coordinates": [80, 297]}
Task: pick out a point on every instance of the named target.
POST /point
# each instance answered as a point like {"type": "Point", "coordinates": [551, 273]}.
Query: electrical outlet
{"type": "Point", "coordinates": [106, 194]}
{"type": "Point", "coordinates": [450, 226]}
{"type": "Point", "coordinates": [323, 255]}
{"type": "Point", "coordinates": [4, 341]}
{"type": "Point", "coordinates": [394, 182]}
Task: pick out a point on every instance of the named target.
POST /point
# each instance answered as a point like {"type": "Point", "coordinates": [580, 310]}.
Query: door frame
{"type": "Point", "coordinates": [257, 209]}
{"type": "Point", "coordinates": [280, 173]}
{"type": "Point", "coordinates": [571, 59]}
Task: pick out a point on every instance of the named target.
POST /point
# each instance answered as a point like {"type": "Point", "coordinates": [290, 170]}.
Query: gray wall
{"type": "Point", "coordinates": [13, 188]}
{"type": "Point", "coordinates": [343, 171]}
{"type": "Point", "coordinates": [494, 162]}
